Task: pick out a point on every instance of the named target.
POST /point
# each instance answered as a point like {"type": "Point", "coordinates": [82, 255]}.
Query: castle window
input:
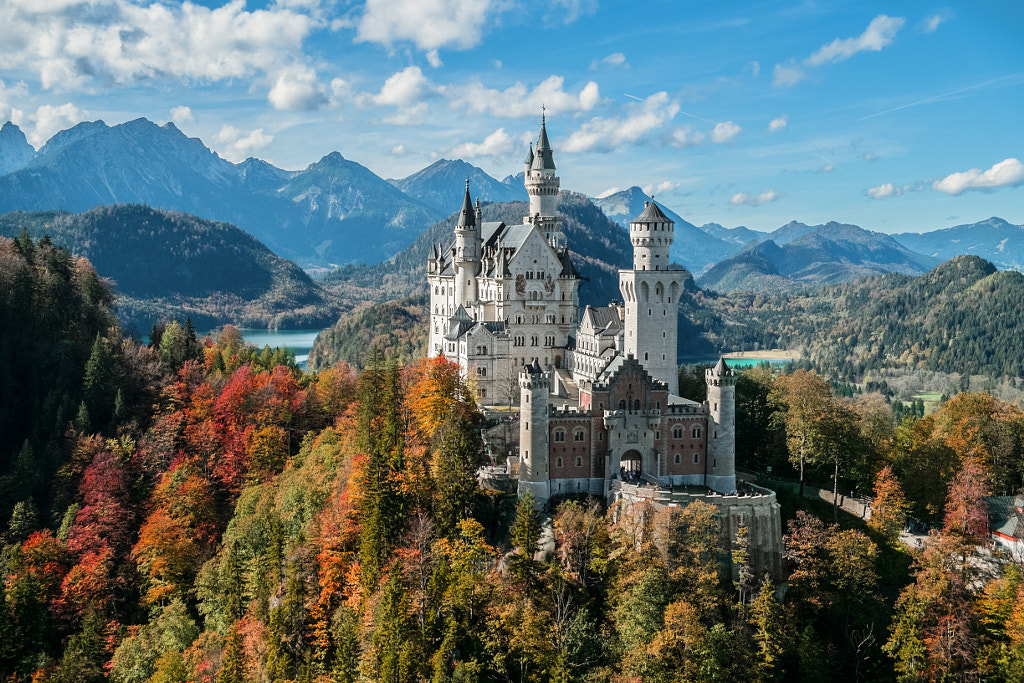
{"type": "Point", "coordinates": [696, 458]}
{"type": "Point", "coordinates": [696, 433]}
{"type": "Point", "coordinates": [677, 458]}
{"type": "Point", "coordinates": [657, 435]}
{"type": "Point", "coordinates": [558, 462]}
{"type": "Point", "coordinates": [622, 405]}
{"type": "Point", "coordinates": [600, 436]}
{"type": "Point", "coordinates": [636, 404]}
{"type": "Point", "coordinates": [645, 355]}
{"type": "Point", "coordinates": [677, 432]}
{"type": "Point", "coordinates": [481, 371]}
{"type": "Point", "coordinates": [559, 435]}
{"type": "Point", "coordinates": [579, 461]}
{"type": "Point", "coordinates": [578, 434]}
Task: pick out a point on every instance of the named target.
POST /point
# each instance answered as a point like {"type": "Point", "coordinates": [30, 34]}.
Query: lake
{"type": "Point", "coordinates": [299, 341]}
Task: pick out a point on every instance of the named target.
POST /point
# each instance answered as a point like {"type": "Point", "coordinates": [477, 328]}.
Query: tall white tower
{"type": "Point", "coordinates": [467, 253]}
{"type": "Point", "coordinates": [534, 474]}
{"type": "Point", "coordinates": [651, 292]}
{"type": "Point", "coordinates": [721, 464]}
{"type": "Point", "coordinates": [542, 185]}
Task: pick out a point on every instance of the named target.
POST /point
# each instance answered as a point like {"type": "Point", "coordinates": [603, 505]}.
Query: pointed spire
{"type": "Point", "coordinates": [467, 217]}
{"type": "Point", "coordinates": [529, 156]}
{"type": "Point", "coordinates": [543, 160]}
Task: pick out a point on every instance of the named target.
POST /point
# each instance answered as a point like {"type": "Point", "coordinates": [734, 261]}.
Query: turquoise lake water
{"type": "Point", "coordinates": [299, 341]}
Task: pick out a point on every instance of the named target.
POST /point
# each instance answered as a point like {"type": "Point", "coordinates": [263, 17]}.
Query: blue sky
{"type": "Point", "coordinates": [894, 116]}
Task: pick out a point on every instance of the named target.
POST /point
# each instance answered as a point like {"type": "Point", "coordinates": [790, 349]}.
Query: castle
{"type": "Point", "coordinates": [599, 390]}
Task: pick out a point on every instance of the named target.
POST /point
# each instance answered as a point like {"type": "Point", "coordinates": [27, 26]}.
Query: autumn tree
{"type": "Point", "coordinates": [889, 507]}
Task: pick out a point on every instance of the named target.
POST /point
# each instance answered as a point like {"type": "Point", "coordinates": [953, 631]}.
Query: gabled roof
{"type": "Point", "coordinates": [652, 214]}
{"type": "Point", "coordinates": [602, 318]}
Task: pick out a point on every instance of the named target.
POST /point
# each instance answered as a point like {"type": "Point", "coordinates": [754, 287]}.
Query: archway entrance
{"type": "Point", "coordinates": [629, 467]}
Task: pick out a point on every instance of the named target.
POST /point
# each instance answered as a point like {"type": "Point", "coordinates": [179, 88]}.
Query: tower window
{"type": "Point", "coordinates": [578, 434]}
{"type": "Point", "coordinates": [558, 462]}
{"type": "Point", "coordinates": [559, 435]}
{"type": "Point", "coordinates": [696, 432]}
{"type": "Point", "coordinates": [696, 458]}
{"type": "Point", "coordinates": [579, 461]}
{"type": "Point", "coordinates": [677, 459]}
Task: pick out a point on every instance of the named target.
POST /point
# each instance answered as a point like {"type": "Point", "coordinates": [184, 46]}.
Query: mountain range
{"type": "Point", "coordinates": [441, 186]}
{"type": "Point", "coordinates": [319, 216]}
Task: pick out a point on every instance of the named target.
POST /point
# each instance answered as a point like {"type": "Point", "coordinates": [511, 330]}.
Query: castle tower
{"type": "Point", "coordinates": [542, 185]}
{"type": "Point", "coordinates": [467, 253]}
{"type": "Point", "coordinates": [721, 457]}
{"type": "Point", "coordinates": [534, 387]}
{"type": "Point", "coordinates": [651, 292]}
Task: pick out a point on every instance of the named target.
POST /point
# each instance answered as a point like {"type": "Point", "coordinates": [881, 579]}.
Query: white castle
{"type": "Point", "coordinates": [598, 390]}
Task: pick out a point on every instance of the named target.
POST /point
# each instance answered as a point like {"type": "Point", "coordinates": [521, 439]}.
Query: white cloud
{"type": "Point", "coordinates": [725, 132]}
{"type": "Point", "coordinates": [1007, 173]}
{"type": "Point", "coordinates": [884, 190]}
{"type": "Point", "coordinates": [297, 89]}
{"type": "Point", "coordinates": [641, 121]}
{"type": "Point", "coordinates": [70, 44]}
{"type": "Point", "coordinates": [930, 24]}
{"type": "Point", "coordinates": [869, 156]}
{"type": "Point", "coordinates": [755, 69]}
{"type": "Point", "coordinates": [434, 59]}
{"type": "Point", "coordinates": [182, 115]}
{"type": "Point", "coordinates": [49, 119]}
{"type": "Point", "coordinates": [609, 192]}
{"type": "Point", "coordinates": [659, 188]}
{"type": "Point", "coordinates": [615, 59]}
{"type": "Point", "coordinates": [788, 75]}
{"type": "Point", "coordinates": [498, 143]}
{"type": "Point", "coordinates": [409, 116]}
{"type": "Point", "coordinates": [879, 33]}
{"type": "Point", "coordinates": [429, 24]}
{"type": "Point", "coordinates": [405, 88]}
{"type": "Point", "coordinates": [8, 112]}
{"type": "Point", "coordinates": [235, 145]}
{"type": "Point", "coordinates": [827, 168]}
{"type": "Point", "coordinates": [574, 9]}
{"type": "Point", "coordinates": [742, 198]}
{"type": "Point", "coordinates": [685, 136]}
{"type": "Point", "coordinates": [517, 101]}
{"type": "Point", "coordinates": [778, 124]}
{"type": "Point", "coordinates": [398, 151]}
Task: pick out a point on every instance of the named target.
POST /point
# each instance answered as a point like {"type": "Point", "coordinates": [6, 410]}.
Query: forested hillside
{"type": "Point", "coordinates": [166, 265]}
{"type": "Point", "coordinates": [212, 513]}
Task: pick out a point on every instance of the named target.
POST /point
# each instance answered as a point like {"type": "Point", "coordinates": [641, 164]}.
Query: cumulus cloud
{"type": "Point", "coordinates": [778, 124]}
{"type": "Point", "coordinates": [787, 75]}
{"type": "Point", "coordinates": [884, 190]}
{"type": "Point", "coordinates": [182, 115]}
{"type": "Point", "coordinates": [429, 25]}
{"type": "Point", "coordinates": [879, 33]}
{"type": "Point", "coordinates": [518, 101]}
{"type": "Point", "coordinates": [685, 136]}
{"type": "Point", "coordinates": [297, 89]}
{"type": "Point", "coordinates": [236, 145]}
{"type": "Point", "coordinates": [659, 188]}
{"type": "Point", "coordinates": [434, 59]}
{"type": "Point", "coordinates": [1007, 173]}
{"type": "Point", "coordinates": [725, 132]}
{"type": "Point", "coordinates": [8, 112]}
{"type": "Point", "coordinates": [742, 198]}
{"type": "Point", "coordinates": [498, 143]}
{"type": "Point", "coordinates": [123, 41]}
{"type": "Point", "coordinates": [398, 151]}
{"type": "Point", "coordinates": [407, 87]}
{"type": "Point", "coordinates": [609, 192]}
{"type": "Point", "coordinates": [640, 122]}
{"type": "Point", "coordinates": [50, 119]}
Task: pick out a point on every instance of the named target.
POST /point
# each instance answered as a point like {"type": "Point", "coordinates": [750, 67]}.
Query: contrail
{"type": "Point", "coordinates": [934, 98]}
{"type": "Point", "coordinates": [634, 97]}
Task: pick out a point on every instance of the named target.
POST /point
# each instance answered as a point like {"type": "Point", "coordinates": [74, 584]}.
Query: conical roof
{"type": "Point", "coordinates": [543, 159]}
{"type": "Point", "coordinates": [467, 216]}
{"type": "Point", "coordinates": [529, 155]}
{"type": "Point", "coordinates": [652, 214]}
{"type": "Point", "coordinates": [721, 368]}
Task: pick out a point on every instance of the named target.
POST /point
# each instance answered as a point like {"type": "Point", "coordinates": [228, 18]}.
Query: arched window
{"type": "Point", "coordinates": [697, 432]}
{"type": "Point", "coordinates": [579, 461]}
{"type": "Point", "coordinates": [677, 432]}
{"type": "Point", "coordinates": [578, 434]}
{"type": "Point", "coordinates": [696, 458]}
{"type": "Point", "coordinates": [559, 435]}
{"type": "Point", "coordinates": [622, 404]}
{"type": "Point", "coordinates": [677, 458]}
{"type": "Point", "coordinates": [558, 462]}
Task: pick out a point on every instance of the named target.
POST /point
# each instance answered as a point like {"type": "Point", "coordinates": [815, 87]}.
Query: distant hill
{"type": "Point", "coordinates": [693, 247]}
{"type": "Point", "coordinates": [167, 264]}
{"type": "Point", "coordinates": [994, 239]}
{"type": "Point", "coordinates": [963, 316]}
{"type": "Point", "coordinates": [740, 236]}
{"type": "Point", "coordinates": [442, 184]}
{"type": "Point", "coordinates": [335, 211]}
{"type": "Point", "coordinates": [827, 254]}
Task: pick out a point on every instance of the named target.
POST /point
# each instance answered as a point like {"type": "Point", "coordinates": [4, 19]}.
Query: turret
{"type": "Point", "coordinates": [467, 252]}
{"type": "Point", "coordinates": [651, 293]}
{"type": "Point", "coordinates": [542, 185]}
{"type": "Point", "coordinates": [721, 458]}
{"type": "Point", "coordinates": [534, 387]}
